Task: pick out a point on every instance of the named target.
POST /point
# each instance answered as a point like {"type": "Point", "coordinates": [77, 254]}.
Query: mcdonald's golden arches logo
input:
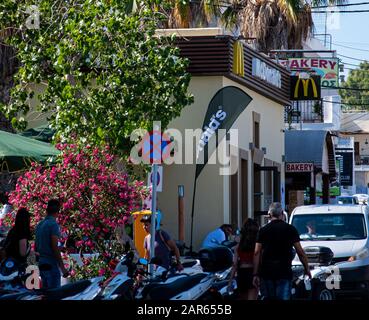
{"type": "Point", "coordinates": [238, 59]}
{"type": "Point", "coordinates": [305, 89]}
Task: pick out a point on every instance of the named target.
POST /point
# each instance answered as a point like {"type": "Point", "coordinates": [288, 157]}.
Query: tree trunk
{"type": "Point", "coordinates": [7, 69]}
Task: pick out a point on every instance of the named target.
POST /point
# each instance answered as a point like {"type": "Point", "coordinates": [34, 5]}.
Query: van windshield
{"type": "Point", "coordinates": [330, 226]}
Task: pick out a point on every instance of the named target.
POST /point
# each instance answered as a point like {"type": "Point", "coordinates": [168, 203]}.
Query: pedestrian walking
{"type": "Point", "coordinates": [243, 262]}
{"type": "Point", "coordinates": [273, 256]}
{"type": "Point", "coordinates": [47, 237]}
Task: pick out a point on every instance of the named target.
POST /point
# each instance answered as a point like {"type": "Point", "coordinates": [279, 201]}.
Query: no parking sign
{"type": "Point", "coordinates": [159, 179]}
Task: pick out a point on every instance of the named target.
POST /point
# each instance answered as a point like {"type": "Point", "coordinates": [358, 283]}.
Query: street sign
{"type": "Point", "coordinates": [159, 179]}
{"type": "Point", "coordinates": [299, 167]}
{"type": "Point", "coordinates": [305, 89]}
{"type": "Point", "coordinates": [154, 147]}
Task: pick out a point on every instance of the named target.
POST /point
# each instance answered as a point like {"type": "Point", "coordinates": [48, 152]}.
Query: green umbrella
{"type": "Point", "coordinates": [17, 152]}
{"type": "Point", "coordinates": [42, 133]}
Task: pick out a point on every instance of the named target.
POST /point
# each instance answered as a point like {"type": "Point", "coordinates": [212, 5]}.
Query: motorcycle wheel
{"type": "Point", "coordinates": [320, 293]}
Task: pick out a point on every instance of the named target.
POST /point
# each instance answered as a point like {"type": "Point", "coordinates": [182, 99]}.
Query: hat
{"type": "Point", "coordinates": [146, 218]}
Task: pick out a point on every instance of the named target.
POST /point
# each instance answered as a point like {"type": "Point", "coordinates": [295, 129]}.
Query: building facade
{"type": "Point", "coordinates": [217, 62]}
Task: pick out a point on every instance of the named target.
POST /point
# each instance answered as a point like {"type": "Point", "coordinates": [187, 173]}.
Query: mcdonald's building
{"type": "Point", "coordinates": [241, 90]}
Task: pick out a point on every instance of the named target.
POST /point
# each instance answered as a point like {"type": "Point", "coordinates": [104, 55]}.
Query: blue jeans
{"type": "Point", "coordinates": [276, 289]}
{"type": "Point", "coordinates": [51, 278]}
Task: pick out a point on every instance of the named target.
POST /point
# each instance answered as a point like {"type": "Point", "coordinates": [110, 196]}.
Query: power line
{"type": "Point", "coordinates": [343, 88]}
{"type": "Point", "coordinates": [361, 60]}
{"type": "Point", "coordinates": [354, 43]}
{"type": "Point", "coordinates": [347, 103]}
{"type": "Point", "coordinates": [350, 64]}
{"type": "Point", "coordinates": [352, 69]}
{"type": "Point", "coordinates": [358, 49]}
{"type": "Point", "coordinates": [342, 5]}
{"type": "Point", "coordinates": [341, 11]}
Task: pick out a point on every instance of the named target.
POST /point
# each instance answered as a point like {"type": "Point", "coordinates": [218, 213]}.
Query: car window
{"type": "Point", "coordinates": [330, 226]}
{"type": "Point", "coordinates": [346, 200]}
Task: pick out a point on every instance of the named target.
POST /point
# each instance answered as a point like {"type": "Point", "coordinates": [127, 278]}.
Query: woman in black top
{"type": "Point", "coordinates": [16, 243]}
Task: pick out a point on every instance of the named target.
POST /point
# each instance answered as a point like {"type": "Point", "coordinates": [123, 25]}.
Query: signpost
{"type": "Point", "coordinates": [153, 218]}
{"type": "Point", "coordinates": [153, 202]}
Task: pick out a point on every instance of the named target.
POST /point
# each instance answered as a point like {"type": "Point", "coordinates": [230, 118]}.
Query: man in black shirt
{"type": "Point", "coordinates": [273, 256]}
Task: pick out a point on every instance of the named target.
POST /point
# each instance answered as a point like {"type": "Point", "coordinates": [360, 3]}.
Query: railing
{"type": "Point", "coordinates": [362, 160]}
{"type": "Point", "coordinates": [309, 111]}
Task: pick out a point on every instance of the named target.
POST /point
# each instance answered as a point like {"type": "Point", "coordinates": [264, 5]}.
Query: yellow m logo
{"type": "Point", "coordinates": [305, 83]}
{"type": "Point", "coordinates": [238, 59]}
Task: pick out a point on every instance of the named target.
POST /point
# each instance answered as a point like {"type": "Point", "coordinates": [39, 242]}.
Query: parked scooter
{"type": "Point", "coordinates": [191, 287]}
{"type": "Point", "coordinates": [11, 279]}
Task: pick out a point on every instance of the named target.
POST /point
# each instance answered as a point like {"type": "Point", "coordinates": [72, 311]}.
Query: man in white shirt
{"type": "Point", "coordinates": [216, 237]}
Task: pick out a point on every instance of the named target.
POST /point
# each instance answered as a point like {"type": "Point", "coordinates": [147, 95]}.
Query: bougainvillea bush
{"type": "Point", "coordinates": [95, 196]}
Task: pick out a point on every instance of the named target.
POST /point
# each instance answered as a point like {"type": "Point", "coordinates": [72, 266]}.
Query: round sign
{"type": "Point", "coordinates": [157, 178]}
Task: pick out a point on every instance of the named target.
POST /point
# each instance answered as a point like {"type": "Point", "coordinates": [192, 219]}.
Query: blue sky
{"type": "Point", "coordinates": [347, 30]}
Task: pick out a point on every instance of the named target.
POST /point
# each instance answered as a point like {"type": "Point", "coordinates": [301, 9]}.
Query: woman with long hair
{"type": "Point", "coordinates": [243, 261]}
{"type": "Point", "coordinates": [16, 243]}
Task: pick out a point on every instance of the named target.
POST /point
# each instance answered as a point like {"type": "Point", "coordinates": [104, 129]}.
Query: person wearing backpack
{"type": "Point", "coordinates": [164, 246]}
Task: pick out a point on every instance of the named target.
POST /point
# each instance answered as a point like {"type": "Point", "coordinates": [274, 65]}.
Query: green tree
{"type": "Point", "coordinates": [357, 79]}
{"type": "Point", "coordinates": [103, 70]}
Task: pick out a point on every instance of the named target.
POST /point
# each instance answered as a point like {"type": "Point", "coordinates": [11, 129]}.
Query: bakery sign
{"type": "Point", "coordinates": [299, 167]}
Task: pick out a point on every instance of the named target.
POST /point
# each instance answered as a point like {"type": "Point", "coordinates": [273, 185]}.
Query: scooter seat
{"type": "Point", "coordinates": [67, 290]}
{"type": "Point", "coordinates": [13, 296]}
{"type": "Point", "coordinates": [189, 264]}
{"type": "Point", "coordinates": [167, 291]}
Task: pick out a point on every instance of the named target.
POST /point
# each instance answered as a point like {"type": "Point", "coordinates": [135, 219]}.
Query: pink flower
{"type": "Point", "coordinates": [95, 197]}
{"type": "Point", "coordinates": [79, 244]}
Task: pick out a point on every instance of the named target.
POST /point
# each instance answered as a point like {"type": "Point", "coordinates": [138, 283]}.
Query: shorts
{"type": "Point", "coordinates": [244, 279]}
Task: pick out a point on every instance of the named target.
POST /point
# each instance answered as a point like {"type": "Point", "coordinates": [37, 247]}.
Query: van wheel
{"type": "Point", "coordinates": [320, 292]}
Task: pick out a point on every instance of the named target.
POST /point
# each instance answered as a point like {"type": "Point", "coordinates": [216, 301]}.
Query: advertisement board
{"type": "Point", "coordinates": [327, 68]}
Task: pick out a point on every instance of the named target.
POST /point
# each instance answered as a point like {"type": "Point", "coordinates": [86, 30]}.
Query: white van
{"type": "Point", "coordinates": [344, 230]}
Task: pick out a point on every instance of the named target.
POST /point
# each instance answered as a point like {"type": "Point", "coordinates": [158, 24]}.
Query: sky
{"type": "Point", "coordinates": [348, 30]}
